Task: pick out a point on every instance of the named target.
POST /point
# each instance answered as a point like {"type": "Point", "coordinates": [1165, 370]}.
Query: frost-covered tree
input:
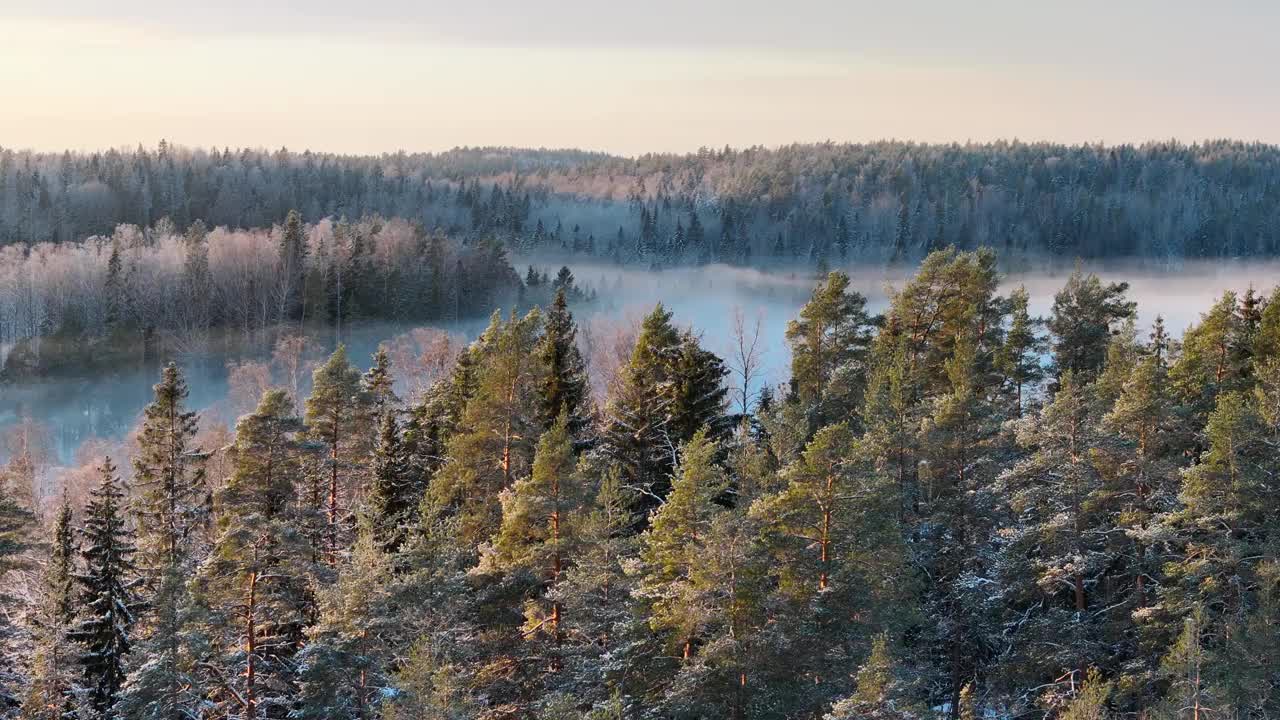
{"type": "Point", "coordinates": [108, 597]}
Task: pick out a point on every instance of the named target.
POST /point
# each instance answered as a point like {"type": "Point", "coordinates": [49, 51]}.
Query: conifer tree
{"type": "Point", "coordinates": [1085, 313]}
{"type": "Point", "coordinates": [1019, 357]}
{"type": "Point", "coordinates": [698, 393]}
{"type": "Point", "coordinates": [336, 416]}
{"type": "Point", "coordinates": [959, 439]}
{"type": "Point", "coordinates": [393, 494]}
{"type": "Point", "coordinates": [1266, 341]}
{"type": "Point", "coordinates": [49, 695]}
{"type": "Point", "coordinates": [595, 595]}
{"type": "Point", "coordinates": [1058, 552]}
{"type": "Point", "coordinates": [251, 593]}
{"type": "Point", "coordinates": [878, 695]}
{"type": "Point", "coordinates": [15, 524]}
{"type": "Point", "coordinates": [498, 432]}
{"type": "Point", "coordinates": [168, 473]}
{"type": "Point", "coordinates": [1224, 525]}
{"type": "Point", "coordinates": [564, 387]}
{"type": "Point", "coordinates": [342, 668]}
{"type": "Point", "coordinates": [377, 386]}
{"type": "Point", "coordinates": [637, 435]}
{"type": "Point", "coordinates": [108, 596]}
{"type": "Point", "coordinates": [835, 556]}
{"type": "Point", "coordinates": [1209, 363]}
{"type": "Point", "coordinates": [1090, 703]}
{"type": "Point", "coordinates": [538, 534]}
{"type": "Point", "coordinates": [829, 347]}
{"type": "Point", "coordinates": [669, 389]}
{"type": "Point", "coordinates": [293, 253]}
{"type": "Point", "coordinates": [701, 590]}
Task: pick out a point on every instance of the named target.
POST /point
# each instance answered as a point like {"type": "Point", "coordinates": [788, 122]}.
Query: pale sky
{"type": "Point", "coordinates": [367, 76]}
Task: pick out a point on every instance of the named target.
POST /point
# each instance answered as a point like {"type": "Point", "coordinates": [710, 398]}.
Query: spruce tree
{"type": "Point", "coordinates": [108, 596]}
{"type": "Point", "coordinates": [698, 393]}
{"type": "Point", "coordinates": [378, 385]}
{"type": "Point", "coordinates": [293, 253]}
{"type": "Point", "coordinates": [564, 387]}
{"type": "Point", "coordinates": [168, 473]}
{"type": "Point", "coordinates": [393, 494]}
{"type": "Point", "coordinates": [669, 389]}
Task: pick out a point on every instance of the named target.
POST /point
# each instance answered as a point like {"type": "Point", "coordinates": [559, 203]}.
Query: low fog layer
{"type": "Point", "coordinates": [102, 409]}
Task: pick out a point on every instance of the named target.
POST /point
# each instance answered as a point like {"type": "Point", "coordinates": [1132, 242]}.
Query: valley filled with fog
{"type": "Point", "coordinates": [70, 416]}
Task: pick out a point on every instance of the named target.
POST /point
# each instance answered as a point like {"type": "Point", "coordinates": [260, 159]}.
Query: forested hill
{"type": "Point", "coordinates": [802, 203]}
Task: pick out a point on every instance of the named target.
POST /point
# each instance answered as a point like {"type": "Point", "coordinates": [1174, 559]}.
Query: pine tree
{"type": "Point", "coordinates": [564, 387]}
{"type": "Point", "coordinates": [1019, 358]}
{"type": "Point", "coordinates": [879, 692]}
{"type": "Point", "coordinates": [959, 441]}
{"type": "Point", "coordinates": [538, 534]}
{"type": "Point", "coordinates": [1058, 554]}
{"type": "Point", "coordinates": [342, 668]}
{"type": "Point", "coordinates": [1209, 363]}
{"type": "Point", "coordinates": [700, 590]}
{"type": "Point", "coordinates": [1090, 703]}
{"type": "Point", "coordinates": [336, 416]}
{"type": "Point", "coordinates": [108, 596]}
{"type": "Point", "coordinates": [498, 432]}
{"type": "Point", "coordinates": [595, 596]}
{"type": "Point", "coordinates": [836, 559]}
{"type": "Point", "coordinates": [1085, 313]}
{"type": "Point", "coordinates": [49, 695]}
{"type": "Point", "coordinates": [829, 348]}
{"type": "Point", "coordinates": [1224, 526]}
{"type": "Point", "coordinates": [251, 594]}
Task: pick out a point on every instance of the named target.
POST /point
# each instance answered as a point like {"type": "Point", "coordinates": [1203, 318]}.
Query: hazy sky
{"type": "Point", "coordinates": [628, 77]}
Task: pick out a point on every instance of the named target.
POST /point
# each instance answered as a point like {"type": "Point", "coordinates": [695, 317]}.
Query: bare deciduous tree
{"type": "Point", "coordinates": [745, 354]}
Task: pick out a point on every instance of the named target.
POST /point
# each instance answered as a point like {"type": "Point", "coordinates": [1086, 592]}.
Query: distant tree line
{"type": "Point", "coordinates": [952, 509]}
{"type": "Point", "coordinates": [816, 204]}
{"type": "Point", "coordinates": [142, 289]}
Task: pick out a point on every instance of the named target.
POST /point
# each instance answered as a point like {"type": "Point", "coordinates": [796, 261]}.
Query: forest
{"type": "Point", "coordinates": [952, 509]}
{"type": "Point", "coordinates": [145, 292]}
{"type": "Point", "coordinates": [798, 204]}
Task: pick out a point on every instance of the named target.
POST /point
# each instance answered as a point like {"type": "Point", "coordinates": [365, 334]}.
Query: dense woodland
{"type": "Point", "coordinates": [887, 201]}
{"type": "Point", "coordinates": [151, 291]}
{"type": "Point", "coordinates": [953, 509]}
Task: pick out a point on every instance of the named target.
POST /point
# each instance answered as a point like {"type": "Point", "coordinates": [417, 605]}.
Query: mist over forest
{"type": "Point", "coordinates": [805, 204]}
{"type": "Point", "coordinates": [890, 431]}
